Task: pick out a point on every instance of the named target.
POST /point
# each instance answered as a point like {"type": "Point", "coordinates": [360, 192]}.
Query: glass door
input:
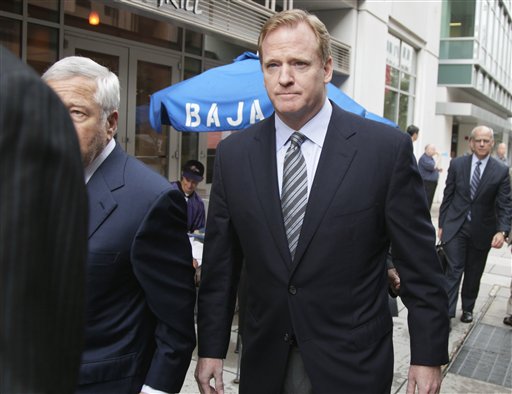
{"type": "Point", "coordinates": [151, 71]}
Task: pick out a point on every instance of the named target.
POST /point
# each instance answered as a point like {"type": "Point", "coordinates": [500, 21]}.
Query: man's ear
{"type": "Point", "coordinates": [112, 124]}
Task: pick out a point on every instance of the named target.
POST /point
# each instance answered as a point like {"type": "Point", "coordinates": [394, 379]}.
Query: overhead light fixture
{"type": "Point", "coordinates": [94, 18]}
{"type": "Point", "coordinates": [455, 24]}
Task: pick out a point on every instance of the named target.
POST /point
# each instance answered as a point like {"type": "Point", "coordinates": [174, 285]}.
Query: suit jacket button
{"type": "Point", "coordinates": [292, 290]}
{"type": "Point", "coordinates": [286, 337]}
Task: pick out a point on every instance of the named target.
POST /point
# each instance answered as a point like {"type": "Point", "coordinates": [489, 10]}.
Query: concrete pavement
{"type": "Point", "coordinates": [469, 344]}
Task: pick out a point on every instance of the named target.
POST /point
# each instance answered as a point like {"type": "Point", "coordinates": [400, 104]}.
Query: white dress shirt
{"type": "Point", "coordinates": [315, 131]}
{"type": "Point", "coordinates": [474, 160]}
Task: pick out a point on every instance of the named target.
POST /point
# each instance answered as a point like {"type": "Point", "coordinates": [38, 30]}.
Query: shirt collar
{"type": "Point", "coordinates": [484, 161]}
{"type": "Point", "coordinates": [91, 168]}
{"type": "Point", "coordinates": [315, 130]}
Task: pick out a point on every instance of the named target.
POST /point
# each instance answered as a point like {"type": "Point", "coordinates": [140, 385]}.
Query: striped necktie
{"type": "Point", "coordinates": [475, 180]}
{"type": "Point", "coordinates": [294, 195]}
{"type": "Point", "coordinates": [473, 185]}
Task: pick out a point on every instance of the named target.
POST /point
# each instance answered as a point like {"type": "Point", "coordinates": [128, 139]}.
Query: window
{"type": "Point", "coordinates": [458, 18]}
{"type": "Point", "coordinates": [400, 82]}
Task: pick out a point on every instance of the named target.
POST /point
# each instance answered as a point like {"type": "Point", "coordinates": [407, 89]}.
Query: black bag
{"type": "Point", "coordinates": [443, 258]}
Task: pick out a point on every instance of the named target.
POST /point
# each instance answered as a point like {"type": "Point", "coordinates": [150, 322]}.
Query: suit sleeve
{"type": "Point", "coordinates": [162, 262]}
{"type": "Point", "coordinates": [448, 192]}
{"type": "Point", "coordinates": [504, 204]}
{"type": "Point", "coordinates": [422, 281]}
{"type": "Point", "coordinates": [220, 272]}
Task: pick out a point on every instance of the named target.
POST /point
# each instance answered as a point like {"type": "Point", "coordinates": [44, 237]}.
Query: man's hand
{"type": "Point", "coordinates": [426, 379]}
{"type": "Point", "coordinates": [498, 240]}
{"type": "Point", "coordinates": [206, 369]}
{"type": "Point", "coordinates": [394, 280]}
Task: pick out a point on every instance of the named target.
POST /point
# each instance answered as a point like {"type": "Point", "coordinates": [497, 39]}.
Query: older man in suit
{"type": "Point", "coordinates": [43, 236]}
{"type": "Point", "coordinates": [139, 326]}
{"type": "Point", "coordinates": [474, 216]}
{"type": "Point", "coordinates": [310, 199]}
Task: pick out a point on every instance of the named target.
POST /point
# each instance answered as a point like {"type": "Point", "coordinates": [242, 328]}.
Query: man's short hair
{"type": "Point", "coordinates": [412, 129]}
{"type": "Point", "coordinates": [293, 18]}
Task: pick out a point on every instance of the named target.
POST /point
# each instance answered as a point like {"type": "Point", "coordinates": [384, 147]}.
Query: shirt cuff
{"type": "Point", "coordinates": [149, 390]}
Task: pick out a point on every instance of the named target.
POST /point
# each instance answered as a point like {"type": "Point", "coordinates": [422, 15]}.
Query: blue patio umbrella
{"type": "Point", "coordinates": [230, 97]}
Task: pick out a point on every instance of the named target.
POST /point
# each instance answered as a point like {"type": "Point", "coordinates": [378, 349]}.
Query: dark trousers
{"type": "Point", "coordinates": [430, 190]}
{"type": "Point", "coordinates": [463, 258]}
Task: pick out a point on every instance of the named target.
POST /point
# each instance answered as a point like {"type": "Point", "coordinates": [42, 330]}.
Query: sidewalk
{"type": "Point", "coordinates": [480, 352]}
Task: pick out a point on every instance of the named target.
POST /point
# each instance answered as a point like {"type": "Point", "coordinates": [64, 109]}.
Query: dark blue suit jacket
{"type": "Point", "coordinates": [140, 281]}
{"type": "Point", "coordinates": [490, 209]}
{"type": "Point", "coordinates": [332, 296]}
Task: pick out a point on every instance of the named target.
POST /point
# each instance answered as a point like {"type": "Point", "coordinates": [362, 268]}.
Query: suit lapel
{"type": "Point", "coordinates": [107, 178]}
{"type": "Point", "coordinates": [264, 172]}
{"type": "Point", "coordinates": [486, 176]}
{"type": "Point", "coordinates": [335, 159]}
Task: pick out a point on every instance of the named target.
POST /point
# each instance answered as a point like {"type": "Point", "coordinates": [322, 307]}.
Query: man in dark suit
{"type": "Point", "coordinates": [317, 316]}
{"type": "Point", "coordinates": [43, 239]}
{"type": "Point", "coordinates": [474, 216]}
{"type": "Point", "coordinates": [139, 326]}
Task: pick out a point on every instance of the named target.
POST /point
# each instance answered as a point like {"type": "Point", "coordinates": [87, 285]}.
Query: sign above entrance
{"type": "Point", "coordinates": [237, 21]}
{"type": "Point", "coordinates": [187, 5]}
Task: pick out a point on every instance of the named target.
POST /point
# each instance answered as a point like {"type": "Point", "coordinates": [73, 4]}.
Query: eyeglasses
{"type": "Point", "coordinates": [485, 142]}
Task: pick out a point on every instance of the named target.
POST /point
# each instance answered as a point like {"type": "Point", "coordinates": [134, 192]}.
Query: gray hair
{"type": "Point", "coordinates": [477, 128]}
{"type": "Point", "coordinates": [107, 84]}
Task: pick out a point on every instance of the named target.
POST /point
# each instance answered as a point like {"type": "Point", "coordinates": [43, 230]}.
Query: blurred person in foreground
{"type": "Point", "coordinates": [474, 216]}
{"type": "Point", "coordinates": [310, 199]}
{"type": "Point", "coordinates": [43, 236]}
{"type": "Point", "coordinates": [139, 327]}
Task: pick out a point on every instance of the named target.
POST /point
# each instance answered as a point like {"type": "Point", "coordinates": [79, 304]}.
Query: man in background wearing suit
{"type": "Point", "coordinates": [139, 327]}
{"type": "Point", "coordinates": [474, 216]}
{"type": "Point", "coordinates": [310, 199]}
{"type": "Point", "coordinates": [43, 236]}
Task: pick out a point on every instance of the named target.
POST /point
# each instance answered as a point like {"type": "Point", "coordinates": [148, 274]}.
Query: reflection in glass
{"type": "Point", "coordinates": [192, 67]}
{"type": "Point", "coordinates": [403, 120]}
{"type": "Point", "coordinates": [11, 35]}
{"type": "Point", "coordinates": [151, 147]}
{"type": "Point", "coordinates": [213, 139]}
{"type": "Point", "coordinates": [122, 23]}
{"type": "Point", "coordinates": [109, 61]}
{"type": "Point", "coordinates": [391, 76]}
{"type": "Point", "coordinates": [405, 82]}
{"type": "Point", "coordinates": [189, 146]}
{"type": "Point", "coordinates": [218, 49]}
{"type": "Point", "coordinates": [390, 105]}
{"type": "Point", "coordinates": [14, 6]}
{"type": "Point", "coordinates": [47, 9]}
{"type": "Point", "coordinates": [42, 44]}
{"type": "Point", "coordinates": [193, 42]}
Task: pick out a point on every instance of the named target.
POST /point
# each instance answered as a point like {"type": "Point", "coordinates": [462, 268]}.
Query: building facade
{"type": "Point", "coordinates": [443, 66]}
